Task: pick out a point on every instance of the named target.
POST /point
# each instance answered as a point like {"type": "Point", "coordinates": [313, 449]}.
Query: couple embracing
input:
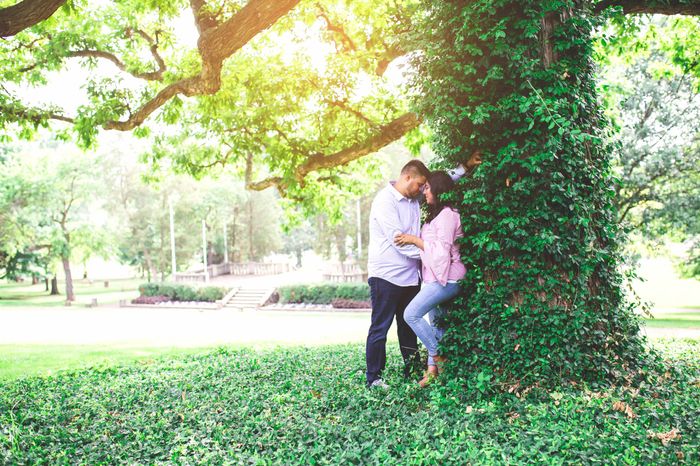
{"type": "Point", "coordinates": [402, 255]}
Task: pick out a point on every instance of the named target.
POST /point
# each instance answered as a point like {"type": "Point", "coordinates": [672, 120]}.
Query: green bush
{"type": "Point", "coordinates": [185, 293]}
{"type": "Point", "coordinates": [323, 293]}
{"type": "Point", "coordinates": [180, 292]}
{"type": "Point", "coordinates": [277, 408]}
{"type": "Point", "coordinates": [210, 294]}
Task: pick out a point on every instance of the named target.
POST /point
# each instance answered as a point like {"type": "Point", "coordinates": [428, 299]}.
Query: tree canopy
{"type": "Point", "coordinates": [284, 91]}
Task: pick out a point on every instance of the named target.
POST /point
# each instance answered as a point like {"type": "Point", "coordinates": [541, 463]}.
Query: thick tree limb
{"type": "Point", "coordinates": [669, 7]}
{"type": "Point", "coordinates": [388, 134]}
{"type": "Point", "coordinates": [27, 13]}
{"type": "Point", "coordinates": [215, 45]}
{"type": "Point", "coordinates": [314, 162]}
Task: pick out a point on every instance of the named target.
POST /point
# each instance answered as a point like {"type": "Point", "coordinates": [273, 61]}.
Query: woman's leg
{"type": "Point", "coordinates": [430, 295]}
{"type": "Point", "coordinates": [437, 312]}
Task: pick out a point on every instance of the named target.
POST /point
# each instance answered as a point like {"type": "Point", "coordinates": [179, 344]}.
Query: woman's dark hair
{"type": "Point", "coordinates": [440, 183]}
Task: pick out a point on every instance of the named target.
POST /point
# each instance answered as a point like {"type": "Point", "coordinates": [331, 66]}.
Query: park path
{"type": "Point", "coordinates": [177, 327]}
{"type": "Point", "coordinates": [195, 328]}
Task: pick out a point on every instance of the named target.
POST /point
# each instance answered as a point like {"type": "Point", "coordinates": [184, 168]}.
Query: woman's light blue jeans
{"type": "Point", "coordinates": [428, 301]}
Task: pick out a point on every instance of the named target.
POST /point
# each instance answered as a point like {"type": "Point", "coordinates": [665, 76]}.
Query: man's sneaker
{"type": "Point", "coordinates": [379, 383]}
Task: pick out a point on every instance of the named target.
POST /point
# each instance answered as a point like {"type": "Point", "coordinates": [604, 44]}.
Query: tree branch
{"type": "Point", "coordinates": [150, 76]}
{"type": "Point", "coordinates": [669, 7]}
{"type": "Point", "coordinates": [154, 49]}
{"type": "Point", "coordinates": [343, 105]}
{"type": "Point", "coordinates": [27, 13]}
{"type": "Point", "coordinates": [346, 41]}
{"type": "Point", "coordinates": [215, 44]}
{"type": "Point", "coordinates": [314, 162]}
{"type": "Point", "coordinates": [32, 115]}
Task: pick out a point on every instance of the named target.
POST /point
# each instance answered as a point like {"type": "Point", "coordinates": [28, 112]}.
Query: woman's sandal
{"type": "Point", "coordinates": [430, 375]}
{"type": "Point", "coordinates": [439, 362]}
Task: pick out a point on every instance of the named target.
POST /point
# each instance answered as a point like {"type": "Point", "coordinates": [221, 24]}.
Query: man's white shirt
{"type": "Point", "coordinates": [392, 214]}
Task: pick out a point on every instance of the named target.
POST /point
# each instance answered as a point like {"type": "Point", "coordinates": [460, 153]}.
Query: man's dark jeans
{"type": "Point", "coordinates": [388, 300]}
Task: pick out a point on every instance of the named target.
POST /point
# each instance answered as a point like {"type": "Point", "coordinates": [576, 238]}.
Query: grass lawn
{"type": "Point", "coordinates": [18, 361]}
{"type": "Point", "coordinates": [27, 295]}
{"type": "Point", "coordinates": [690, 319]}
{"type": "Point", "coordinates": [309, 406]}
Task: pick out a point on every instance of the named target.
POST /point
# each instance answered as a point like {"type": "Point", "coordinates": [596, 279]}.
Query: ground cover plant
{"type": "Point", "coordinates": [302, 406]}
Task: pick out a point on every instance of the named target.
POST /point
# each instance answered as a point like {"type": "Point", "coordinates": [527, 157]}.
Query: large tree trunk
{"type": "Point", "coordinates": [70, 296]}
{"type": "Point", "coordinates": [543, 302]}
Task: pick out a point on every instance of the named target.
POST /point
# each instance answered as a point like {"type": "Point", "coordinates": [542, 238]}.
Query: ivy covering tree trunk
{"type": "Point", "coordinates": [543, 301]}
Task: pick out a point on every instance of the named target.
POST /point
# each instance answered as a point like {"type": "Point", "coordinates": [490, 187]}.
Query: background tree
{"type": "Point", "coordinates": [55, 207]}
{"type": "Point", "coordinates": [652, 97]}
{"type": "Point", "coordinates": [295, 124]}
{"type": "Point", "coordinates": [298, 239]}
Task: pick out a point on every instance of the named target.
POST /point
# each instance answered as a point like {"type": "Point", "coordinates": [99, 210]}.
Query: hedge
{"type": "Point", "coordinates": [323, 293]}
{"type": "Point", "coordinates": [180, 292]}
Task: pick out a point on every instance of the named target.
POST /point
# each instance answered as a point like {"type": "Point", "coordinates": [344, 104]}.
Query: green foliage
{"type": "Point", "coordinates": [653, 98]}
{"type": "Point", "coordinates": [277, 407]}
{"type": "Point", "coordinates": [313, 84]}
{"type": "Point", "coordinates": [180, 292]}
{"type": "Point", "coordinates": [211, 293]}
{"type": "Point", "coordinates": [48, 200]}
{"type": "Point", "coordinates": [323, 293]}
{"type": "Point", "coordinates": [543, 301]}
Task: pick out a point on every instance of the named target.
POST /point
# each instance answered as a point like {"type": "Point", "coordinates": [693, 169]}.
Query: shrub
{"type": "Point", "coordinates": [180, 292]}
{"type": "Point", "coordinates": [185, 293]}
{"type": "Point", "coordinates": [210, 294]}
{"type": "Point", "coordinates": [323, 293]}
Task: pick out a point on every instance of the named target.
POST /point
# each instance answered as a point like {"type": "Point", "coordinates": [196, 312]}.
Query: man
{"type": "Point", "coordinates": [393, 270]}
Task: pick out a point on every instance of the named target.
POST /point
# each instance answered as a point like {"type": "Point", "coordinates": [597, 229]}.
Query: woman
{"type": "Point", "coordinates": [442, 267]}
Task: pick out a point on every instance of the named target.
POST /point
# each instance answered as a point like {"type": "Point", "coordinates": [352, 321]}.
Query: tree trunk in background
{"type": "Point", "coordinates": [235, 257]}
{"type": "Point", "coordinates": [543, 302]}
{"type": "Point", "coordinates": [70, 296]}
{"type": "Point", "coordinates": [251, 250]}
{"type": "Point", "coordinates": [54, 286]}
{"type": "Point", "coordinates": [150, 266]}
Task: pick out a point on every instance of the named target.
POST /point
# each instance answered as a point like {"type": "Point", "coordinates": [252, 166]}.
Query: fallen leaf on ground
{"type": "Point", "coordinates": [665, 437]}
{"type": "Point", "coordinates": [623, 407]}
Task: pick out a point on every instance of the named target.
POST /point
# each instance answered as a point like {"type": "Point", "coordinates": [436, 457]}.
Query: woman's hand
{"type": "Point", "coordinates": [404, 238]}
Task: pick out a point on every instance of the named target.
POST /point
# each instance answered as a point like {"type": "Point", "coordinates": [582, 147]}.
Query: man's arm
{"type": "Point", "coordinates": [466, 168]}
{"type": "Point", "coordinates": [387, 219]}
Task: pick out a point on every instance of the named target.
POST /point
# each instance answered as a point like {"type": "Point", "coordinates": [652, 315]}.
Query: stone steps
{"type": "Point", "coordinates": [246, 298]}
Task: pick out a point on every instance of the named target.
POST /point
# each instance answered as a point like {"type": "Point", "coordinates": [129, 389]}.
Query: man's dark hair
{"type": "Point", "coordinates": [440, 183]}
{"type": "Point", "coordinates": [415, 168]}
